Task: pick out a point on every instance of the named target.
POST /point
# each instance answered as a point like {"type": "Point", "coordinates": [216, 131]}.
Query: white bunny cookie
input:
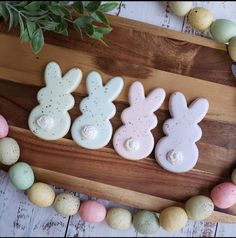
{"type": "Point", "coordinates": [177, 151]}
{"type": "Point", "coordinates": [50, 120]}
{"type": "Point", "coordinates": [134, 139]}
{"type": "Point", "coordinates": [93, 129]}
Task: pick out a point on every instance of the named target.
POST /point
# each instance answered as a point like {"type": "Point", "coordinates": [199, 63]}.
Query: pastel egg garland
{"type": "Point", "coordinates": [201, 19]}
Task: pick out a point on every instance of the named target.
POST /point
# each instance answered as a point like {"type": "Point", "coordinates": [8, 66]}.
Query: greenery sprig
{"type": "Point", "coordinates": [36, 17]}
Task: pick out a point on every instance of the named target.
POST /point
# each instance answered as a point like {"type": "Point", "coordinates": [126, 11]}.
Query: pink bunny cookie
{"type": "Point", "coordinates": [177, 151]}
{"type": "Point", "coordinates": [134, 139]}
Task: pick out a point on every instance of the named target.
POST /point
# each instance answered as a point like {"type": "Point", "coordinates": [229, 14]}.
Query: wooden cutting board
{"type": "Point", "coordinates": [157, 57]}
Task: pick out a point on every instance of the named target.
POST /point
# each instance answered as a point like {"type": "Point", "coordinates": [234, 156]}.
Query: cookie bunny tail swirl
{"type": "Point", "coordinates": [177, 151]}
{"type": "Point", "coordinates": [50, 119]}
{"type": "Point", "coordinates": [134, 139]}
{"type": "Point", "coordinates": [93, 130]}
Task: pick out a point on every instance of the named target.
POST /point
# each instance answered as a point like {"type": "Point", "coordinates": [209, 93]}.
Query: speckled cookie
{"type": "Point", "coordinates": [93, 129]}
{"type": "Point", "coordinates": [50, 120]}
{"type": "Point", "coordinates": [177, 151]}
{"type": "Point", "coordinates": [134, 139]}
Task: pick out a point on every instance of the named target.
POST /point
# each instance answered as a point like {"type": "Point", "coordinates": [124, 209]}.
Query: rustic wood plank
{"type": "Point", "coordinates": [19, 218]}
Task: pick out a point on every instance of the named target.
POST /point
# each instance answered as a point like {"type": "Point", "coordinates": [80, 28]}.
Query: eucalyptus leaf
{"type": "Point", "coordinates": [11, 17]}
{"type": "Point", "coordinates": [33, 6]}
{"type": "Point", "coordinates": [93, 6]}
{"type": "Point", "coordinates": [49, 25]}
{"type": "Point", "coordinates": [4, 11]}
{"type": "Point", "coordinates": [89, 28]}
{"type": "Point", "coordinates": [78, 6]}
{"type": "Point", "coordinates": [103, 30]}
{"type": "Point", "coordinates": [107, 7]}
{"type": "Point", "coordinates": [101, 17]}
{"type": "Point", "coordinates": [31, 27]}
{"type": "Point", "coordinates": [25, 36]}
{"type": "Point", "coordinates": [57, 10]}
{"type": "Point", "coordinates": [82, 21]}
{"type": "Point", "coordinates": [37, 41]}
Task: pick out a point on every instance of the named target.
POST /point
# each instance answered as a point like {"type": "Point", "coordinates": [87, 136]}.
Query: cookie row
{"type": "Point", "coordinates": [176, 152]}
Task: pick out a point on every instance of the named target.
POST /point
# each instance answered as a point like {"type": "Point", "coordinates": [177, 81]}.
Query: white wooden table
{"type": "Point", "coordinates": [18, 217]}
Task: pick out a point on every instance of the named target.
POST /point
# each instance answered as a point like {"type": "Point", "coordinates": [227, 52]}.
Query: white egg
{"type": "Point", "coordinates": [9, 151]}
{"type": "Point", "coordinates": [66, 204]}
{"type": "Point", "coordinates": [180, 8]}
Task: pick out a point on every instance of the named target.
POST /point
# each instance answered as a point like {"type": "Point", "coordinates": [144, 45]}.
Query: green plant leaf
{"type": "Point", "coordinates": [22, 27]}
{"type": "Point", "coordinates": [62, 28]}
{"type": "Point", "coordinates": [19, 3]}
{"type": "Point", "coordinates": [57, 10]}
{"type": "Point", "coordinates": [49, 25]}
{"type": "Point", "coordinates": [89, 28]}
{"type": "Point", "coordinates": [11, 17]}
{"type": "Point", "coordinates": [33, 6]}
{"type": "Point", "coordinates": [107, 7]}
{"type": "Point", "coordinates": [82, 21]}
{"type": "Point", "coordinates": [103, 30]}
{"type": "Point", "coordinates": [31, 27]}
{"type": "Point", "coordinates": [37, 41]}
{"type": "Point", "coordinates": [85, 3]}
{"type": "Point", "coordinates": [4, 11]}
{"type": "Point", "coordinates": [78, 6]}
{"type": "Point", "coordinates": [25, 36]}
{"type": "Point", "coordinates": [101, 17]}
{"type": "Point", "coordinates": [77, 28]}
{"type": "Point", "coordinates": [93, 6]}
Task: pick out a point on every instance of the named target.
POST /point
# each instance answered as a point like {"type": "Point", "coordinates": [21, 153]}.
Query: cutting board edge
{"type": "Point", "coordinates": [169, 33]}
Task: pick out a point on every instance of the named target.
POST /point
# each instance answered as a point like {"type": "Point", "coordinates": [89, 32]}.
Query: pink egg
{"type": "Point", "coordinates": [92, 212]}
{"type": "Point", "coordinates": [224, 195]}
{"type": "Point", "coordinates": [4, 128]}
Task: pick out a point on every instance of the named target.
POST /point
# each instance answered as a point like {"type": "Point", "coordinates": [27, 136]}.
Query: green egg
{"type": "Point", "coordinates": [21, 175]}
{"type": "Point", "coordinates": [146, 222]}
{"type": "Point", "coordinates": [223, 30]}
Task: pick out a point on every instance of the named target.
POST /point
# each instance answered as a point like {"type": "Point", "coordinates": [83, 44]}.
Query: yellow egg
{"type": "Point", "coordinates": [180, 8]}
{"type": "Point", "coordinates": [41, 195]}
{"type": "Point", "coordinates": [173, 218]}
{"type": "Point", "coordinates": [232, 50]}
{"type": "Point", "coordinates": [66, 204]}
{"type": "Point", "coordinates": [200, 18]}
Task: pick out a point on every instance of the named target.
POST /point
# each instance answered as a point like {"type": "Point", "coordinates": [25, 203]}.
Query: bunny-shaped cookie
{"type": "Point", "coordinates": [50, 119]}
{"type": "Point", "coordinates": [134, 139]}
{"type": "Point", "coordinates": [177, 151]}
{"type": "Point", "coordinates": [93, 129]}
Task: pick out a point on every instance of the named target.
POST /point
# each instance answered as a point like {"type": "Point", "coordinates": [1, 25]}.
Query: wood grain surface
{"type": "Point", "coordinates": [138, 51]}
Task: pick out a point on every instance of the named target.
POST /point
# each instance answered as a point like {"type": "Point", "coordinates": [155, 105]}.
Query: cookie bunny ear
{"type": "Point", "coordinates": [72, 79]}
{"type": "Point", "coordinates": [136, 93]}
{"type": "Point", "coordinates": [198, 109]}
{"type": "Point", "coordinates": [52, 73]}
{"type": "Point", "coordinates": [94, 82]}
{"type": "Point", "coordinates": [177, 104]}
{"type": "Point", "coordinates": [113, 88]}
{"type": "Point", "coordinates": [154, 99]}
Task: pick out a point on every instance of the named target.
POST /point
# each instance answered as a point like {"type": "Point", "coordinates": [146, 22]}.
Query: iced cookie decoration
{"type": "Point", "coordinates": [177, 151]}
{"type": "Point", "coordinates": [50, 120]}
{"type": "Point", "coordinates": [93, 130]}
{"type": "Point", "coordinates": [134, 139]}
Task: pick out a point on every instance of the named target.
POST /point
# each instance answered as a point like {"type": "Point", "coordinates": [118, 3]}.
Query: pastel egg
{"type": "Point", "coordinates": [173, 218]}
{"type": "Point", "coordinates": [119, 218]}
{"type": "Point", "coordinates": [200, 18]}
{"type": "Point", "coordinates": [180, 8]}
{"type": "Point", "coordinates": [199, 207]}
{"type": "Point", "coordinates": [146, 222]}
{"type": "Point", "coordinates": [233, 176]}
{"type": "Point", "coordinates": [41, 195]}
{"type": "Point", "coordinates": [224, 195]}
{"type": "Point", "coordinates": [92, 212]}
{"type": "Point", "coordinates": [232, 48]}
{"type": "Point", "coordinates": [223, 30]}
{"type": "Point", "coordinates": [4, 128]}
{"type": "Point", "coordinates": [21, 175]}
{"type": "Point", "coordinates": [9, 151]}
{"type": "Point", "coordinates": [66, 204]}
